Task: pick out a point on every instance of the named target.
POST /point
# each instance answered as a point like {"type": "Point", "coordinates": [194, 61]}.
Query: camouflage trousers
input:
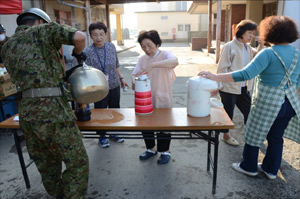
{"type": "Point", "coordinates": [50, 144]}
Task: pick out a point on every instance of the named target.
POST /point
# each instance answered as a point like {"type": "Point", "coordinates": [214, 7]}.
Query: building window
{"type": "Point", "coordinates": [164, 17]}
{"type": "Point", "coordinates": [181, 6]}
{"type": "Point", "coordinates": [187, 27]}
{"type": "Point", "coordinates": [164, 34]}
{"type": "Point", "coordinates": [270, 9]}
{"type": "Point", "coordinates": [62, 17]}
{"type": "Point", "coordinates": [180, 27]}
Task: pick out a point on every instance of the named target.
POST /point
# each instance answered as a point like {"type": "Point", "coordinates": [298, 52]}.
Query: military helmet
{"type": "Point", "coordinates": [32, 13]}
{"type": "Point", "coordinates": [2, 29]}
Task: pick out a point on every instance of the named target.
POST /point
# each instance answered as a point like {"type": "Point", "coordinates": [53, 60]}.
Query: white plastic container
{"type": "Point", "coordinates": [198, 99]}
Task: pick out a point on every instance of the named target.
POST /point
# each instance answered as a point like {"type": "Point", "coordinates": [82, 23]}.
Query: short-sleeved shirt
{"type": "Point", "coordinates": [32, 59]}
{"type": "Point", "coordinates": [105, 59]}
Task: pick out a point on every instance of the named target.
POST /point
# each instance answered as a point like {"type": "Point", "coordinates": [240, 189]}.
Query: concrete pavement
{"type": "Point", "coordinates": [116, 172]}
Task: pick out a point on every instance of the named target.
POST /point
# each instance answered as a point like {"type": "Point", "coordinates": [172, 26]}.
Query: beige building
{"type": "Point", "coordinates": [170, 25]}
{"type": "Point", "coordinates": [170, 19]}
{"type": "Point", "coordinates": [227, 14]}
{"type": "Point", "coordinates": [232, 12]}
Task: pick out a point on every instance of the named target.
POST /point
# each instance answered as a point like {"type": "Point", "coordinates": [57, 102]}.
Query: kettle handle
{"type": "Point", "coordinates": [70, 71]}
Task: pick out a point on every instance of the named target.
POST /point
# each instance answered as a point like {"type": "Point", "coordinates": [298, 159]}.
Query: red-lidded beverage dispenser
{"type": "Point", "coordinates": [143, 97]}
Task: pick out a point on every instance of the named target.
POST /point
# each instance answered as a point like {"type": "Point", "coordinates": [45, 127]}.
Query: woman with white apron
{"type": "Point", "coordinates": [275, 108]}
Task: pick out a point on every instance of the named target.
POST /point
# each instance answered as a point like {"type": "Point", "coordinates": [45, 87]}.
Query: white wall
{"type": "Point", "coordinates": [291, 9]}
{"type": "Point", "coordinates": [9, 22]}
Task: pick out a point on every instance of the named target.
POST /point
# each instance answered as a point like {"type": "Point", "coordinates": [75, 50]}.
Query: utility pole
{"type": "Point", "coordinates": [88, 20]}
{"type": "Point", "coordinates": [108, 22]}
{"type": "Point", "coordinates": [218, 30]}
{"type": "Point", "coordinates": [209, 38]}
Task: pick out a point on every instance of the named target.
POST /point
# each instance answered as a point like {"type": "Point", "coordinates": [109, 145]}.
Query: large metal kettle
{"type": "Point", "coordinates": [88, 84]}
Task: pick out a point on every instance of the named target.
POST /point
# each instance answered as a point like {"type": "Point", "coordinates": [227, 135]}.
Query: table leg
{"type": "Point", "coordinates": [215, 161]}
{"type": "Point", "coordinates": [21, 158]}
{"type": "Point", "coordinates": [208, 150]}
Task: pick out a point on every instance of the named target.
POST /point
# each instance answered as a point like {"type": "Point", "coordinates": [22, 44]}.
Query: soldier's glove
{"type": "Point", "coordinates": [80, 57]}
{"type": "Point", "coordinates": [70, 71]}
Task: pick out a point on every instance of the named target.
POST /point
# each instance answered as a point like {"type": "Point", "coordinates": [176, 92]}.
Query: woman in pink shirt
{"type": "Point", "coordinates": [159, 66]}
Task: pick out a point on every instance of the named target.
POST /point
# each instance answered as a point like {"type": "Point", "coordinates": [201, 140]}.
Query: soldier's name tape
{"type": "Point", "coordinates": [42, 92]}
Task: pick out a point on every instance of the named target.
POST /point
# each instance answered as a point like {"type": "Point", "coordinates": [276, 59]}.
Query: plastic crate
{"type": "Point", "coordinates": [8, 108]}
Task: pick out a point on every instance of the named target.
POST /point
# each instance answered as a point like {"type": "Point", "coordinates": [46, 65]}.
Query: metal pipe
{"type": "Point", "coordinates": [88, 20]}
{"type": "Point", "coordinates": [78, 1]}
{"type": "Point", "coordinates": [218, 29]}
{"type": "Point", "coordinates": [108, 22]}
{"type": "Point", "coordinates": [71, 5]}
{"type": "Point", "coordinates": [209, 26]}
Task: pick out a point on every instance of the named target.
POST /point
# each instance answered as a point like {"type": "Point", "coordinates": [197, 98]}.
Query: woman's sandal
{"type": "Point", "coordinates": [231, 141]}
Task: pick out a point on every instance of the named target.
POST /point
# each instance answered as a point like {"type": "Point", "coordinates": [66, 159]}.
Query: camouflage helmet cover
{"type": "Point", "coordinates": [33, 11]}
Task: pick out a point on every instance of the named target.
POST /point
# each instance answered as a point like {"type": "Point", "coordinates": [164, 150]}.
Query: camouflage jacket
{"type": "Point", "coordinates": [32, 59]}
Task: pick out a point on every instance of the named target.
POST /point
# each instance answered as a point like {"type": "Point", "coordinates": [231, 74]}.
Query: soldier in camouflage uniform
{"type": "Point", "coordinates": [32, 59]}
{"type": "Point", "coordinates": [3, 39]}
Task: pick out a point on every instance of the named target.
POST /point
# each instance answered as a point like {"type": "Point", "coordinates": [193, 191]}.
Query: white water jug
{"type": "Point", "coordinates": [198, 99]}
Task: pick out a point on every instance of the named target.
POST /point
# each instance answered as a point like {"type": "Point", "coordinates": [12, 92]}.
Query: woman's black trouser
{"type": "Point", "coordinates": [242, 101]}
{"type": "Point", "coordinates": [112, 100]}
{"type": "Point", "coordinates": [162, 144]}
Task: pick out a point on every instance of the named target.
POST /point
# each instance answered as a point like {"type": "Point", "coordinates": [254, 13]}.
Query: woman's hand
{"type": "Point", "coordinates": [259, 41]}
{"type": "Point", "coordinates": [133, 81]}
{"type": "Point", "coordinates": [139, 73]}
{"type": "Point", "coordinates": [123, 83]}
{"type": "Point", "coordinates": [144, 71]}
{"type": "Point", "coordinates": [207, 75]}
{"type": "Point", "coordinates": [214, 93]}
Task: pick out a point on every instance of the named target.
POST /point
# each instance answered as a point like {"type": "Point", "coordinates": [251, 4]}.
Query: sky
{"type": "Point", "coordinates": [129, 17]}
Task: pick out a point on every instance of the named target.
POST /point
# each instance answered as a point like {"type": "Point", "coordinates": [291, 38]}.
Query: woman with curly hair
{"type": "Point", "coordinates": [275, 108]}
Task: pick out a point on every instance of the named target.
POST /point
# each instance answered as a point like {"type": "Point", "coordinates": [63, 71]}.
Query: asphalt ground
{"type": "Point", "coordinates": [117, 173]}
